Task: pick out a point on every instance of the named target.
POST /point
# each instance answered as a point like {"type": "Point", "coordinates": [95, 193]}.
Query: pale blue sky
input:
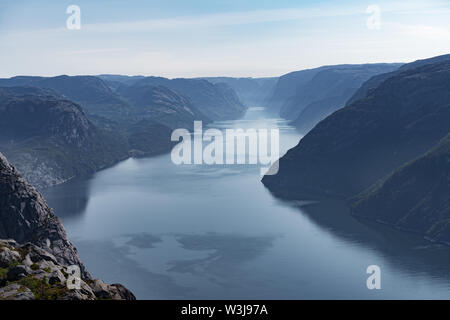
{"type": "Point", "coordinates": [179, 38]}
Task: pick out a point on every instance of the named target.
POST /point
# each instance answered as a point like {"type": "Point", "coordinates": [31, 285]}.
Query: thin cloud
{"type": "Point", "coordinates": [222, 19]}
{"type": "Point", "coordinates": [263, 16]}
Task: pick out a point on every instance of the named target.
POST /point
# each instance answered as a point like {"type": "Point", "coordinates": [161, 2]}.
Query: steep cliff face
{"type": "Point", "coordinates": [359, 144]}
{"type": "Point", "coordinates": [286, 87]}
{"type": "Point", "coordinates": [49, 138]}
{"type": "Point", "coordinates": [328, 90]}
{"type": "Point", "coordinates": [26, 218]}
{"type": "Point", "coordinates": [321, 90]}
{"type": "Point", "coordinates": [415, 197]}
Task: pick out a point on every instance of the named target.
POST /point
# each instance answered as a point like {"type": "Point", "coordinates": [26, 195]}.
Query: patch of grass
{"type": "Point", "coordinates": [66, 275]}
{"type": "Point", "coordinates": [22, 289]}
{"type": "Point", "coordinates": [42, 290]}
{"type": "Point", "coordinates": [34, 266]}
{"type": "Point", "coordinates": [47, 269]}
{"type": "Point", "coordinates": [3, 272]}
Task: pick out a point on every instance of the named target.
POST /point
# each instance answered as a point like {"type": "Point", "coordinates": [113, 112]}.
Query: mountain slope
{"type": "Point", "coordinates": [296, 90]}
{"type": "Point", "coordinates": [415, 197]}
{"type": "Point", "coordinates": [215, 101]}
{"type": "Point", "coordinates": [287, 86]}
{"type": "Point", "coordinates": [50, 139]}
{"type": "Point", "coordinates": [90, 92]}
{"type": "Point", "coordinates": [251, 91]}
{"type": "Point", "coordinates": [359, 144]}
{"type": "Point", "coordinates": [327, 92]}
{"type": "Point", "coordinates": [375, 81]}
{"type": "Point", "coordinates": [162, 105]}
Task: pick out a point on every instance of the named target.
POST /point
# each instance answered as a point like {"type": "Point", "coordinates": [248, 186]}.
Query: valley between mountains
{"type": "Point", "coordinates": [374, 138]}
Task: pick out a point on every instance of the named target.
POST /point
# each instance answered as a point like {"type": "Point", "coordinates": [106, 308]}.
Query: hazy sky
{"type": "Point", "coordinates": [180, 38]}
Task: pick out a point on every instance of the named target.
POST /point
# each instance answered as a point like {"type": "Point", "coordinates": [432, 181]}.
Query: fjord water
{"type": "Point", "coordinates": [215, 232]}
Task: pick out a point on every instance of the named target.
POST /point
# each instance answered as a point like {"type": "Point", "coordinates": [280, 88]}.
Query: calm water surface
{"type": "Point", "coordinates": [204, 232]}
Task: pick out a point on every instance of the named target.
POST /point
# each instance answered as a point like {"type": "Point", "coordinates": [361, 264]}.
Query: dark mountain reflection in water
{"type": "Point", "coordinates": [215, 232]}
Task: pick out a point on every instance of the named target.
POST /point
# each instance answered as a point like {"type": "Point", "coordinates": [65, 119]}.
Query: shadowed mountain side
{"type": "Point", "coordinates": [359, 144]}
{"type": "Point", "coordinates": [163, 105]}
{"type": "Point", "coordinates": [415, 197]}
{"type": "Point", "coordinates": [297, 90]}
{"type": "Point", "coordinates": [327, 92]}
{"type": "Point", "coordinates": [147, 138]}
{"type": "Point", "coordinates": [50, 139]}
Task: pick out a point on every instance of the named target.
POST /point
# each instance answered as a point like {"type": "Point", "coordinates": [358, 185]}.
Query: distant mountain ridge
{"type": "Point", "coordinates": [101, 95]}
{"type": "Point", "coordinates": [327, 92]}
{"type": "Point", "coordinates": [251, 91]}
{"type": "Point", "coordinates": [215, 101]}
{"type": "Point", "coordinates": [57, 128]}
{"type": "Point", "coordinates": [92, 93]}
{"type": "Point", "coordinates": [305, 97]}
{"type": "Point", "coordinates": [337, 82]}
{"type": "Point", "coordinates": [375, 81]}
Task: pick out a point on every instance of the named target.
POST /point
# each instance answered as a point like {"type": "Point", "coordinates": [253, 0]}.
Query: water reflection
{"type": "Point", "coordinates": [71, 199]}
{"type": "Point", "coordinates": [404, 251]}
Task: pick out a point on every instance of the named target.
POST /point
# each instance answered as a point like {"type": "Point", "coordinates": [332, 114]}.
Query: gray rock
{"type": "Point", "coordinates": [26, 217]}
{"type": "Point", "coordinates": [16, 292]}
{"type": "Point", "coordinates": [119, 292]}
{"type": "Point", "coordinates": [101, 289]}
{"type": "Point", "coordinates": [7, 256]}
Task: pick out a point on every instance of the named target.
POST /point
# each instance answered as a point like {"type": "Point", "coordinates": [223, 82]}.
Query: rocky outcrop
{"type": "Point", "coordinates": [40, 251]}
{"type": "Point", "coordinates": [28, 272]}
